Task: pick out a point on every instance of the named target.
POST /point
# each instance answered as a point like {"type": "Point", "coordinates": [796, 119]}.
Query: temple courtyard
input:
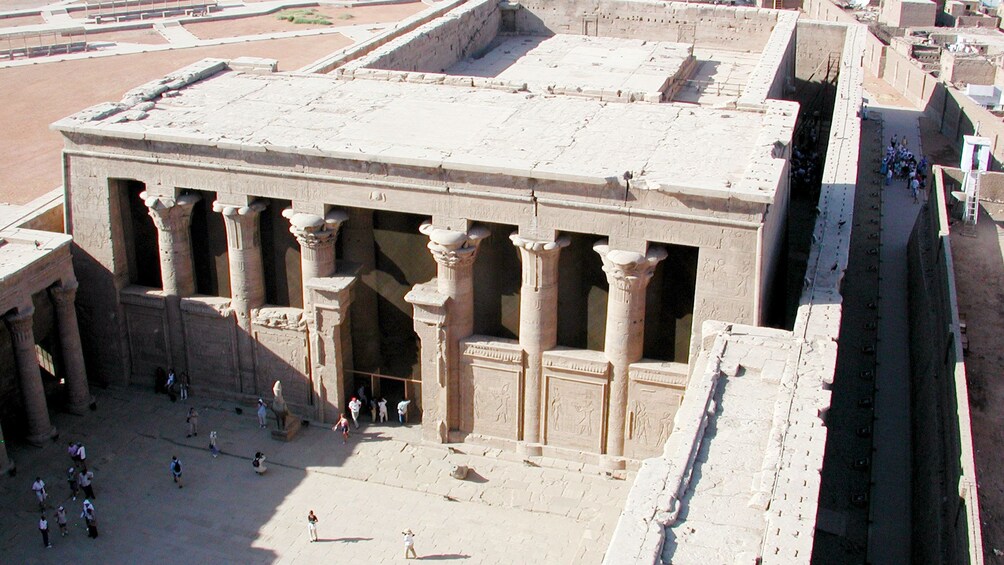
{"type": "Point", "coordinates": [364, 493]}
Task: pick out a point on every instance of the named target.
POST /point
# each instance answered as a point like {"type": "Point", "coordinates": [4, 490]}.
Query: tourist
{"type": "Point", "coordinates": [409, 544]}
{"type": "Point", "coordinates": [888, 176]}
{"type": "Point", "coordinates": [169, 386]}
{"type": "Point", "coordinates": [39, 487]}
{"type": "Point", "coordinates": [262, 412]}
{"type": "Point", "coordinates": [402, 411]}
{"type": "Point", "coordinates": [184, 385]}
{"type": "Point", "coordinates": [90, 516]}
{"type": "Point", "coordinates": [361, 393]}
{"type": "Point", "coordinates": [354, 407]}
{"type": "Point", "coordinates": [43, 526]}
{"type": "Point", "coordinates": [382, 405]}
{"type": "Point", "coordinates": [61, 521]}
{"type": "Point", "coordinates": [373, 410]}
{"type": "Point", "coordinates": [312, 526]}
{"type": "Point", "coordinates": [74, 450]}
{"type": "Point", "coordinates": [215, 451]}
{"type": "Point", "coordinates": [259, 463]}
{"type": "Point", "coordinates": [84, 479]}
{"type": "Point", "coordinates": [193, 422]}
{"type": "Point", "coordinates": [71, 479]}
{"type": "Point", "coordinates": [343, 426]}
{"type": "Point", "coordinates": [81, 455]}
{"type": "Point", "coordinates": [176, 471]}
{"type": "Point", "coordinates": [915, 189]}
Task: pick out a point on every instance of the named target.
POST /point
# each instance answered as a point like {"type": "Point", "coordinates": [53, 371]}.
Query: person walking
{"type": "Point", "coordinates": [259, 463]}
{"type": "Point", "coordinates": [74, 451]}
{"type": "Point", "coordinates": [354, 407]}
{"type": "Point", "coordinates": [39, 487]}
{"type": "Point", "coordinates": [193, 422]}
{"type": "Point", "coordinates": [43, 526]}
{"type": "Point", "coordinates": [184, 385]}
{"type": "Point", "coordinates": [84, 479]}
{"type": "Point", "coordinates": [343, 426]}
{"type": "Point", "coordinates": [71, 479]}
{"type": "Point", "coordinates": [90, 517]}
{"type": "Point", "coordinates": [312, 526]}
{"type": "Point", "coordinates": [176, 470]}
{"type": "Point", "coordinates": [169, 386]}
{"type": "Point", "coordinates": [382, 406]}
{"type": "Point", "coordinates": [215, 451]}
{"type": "Point", "coordinates": [262, 413]}
{"type": "Point", "coordinates": [402, 411]}
{"type": "Point", "coordinates": [61, 521]}
{"type": "Point", "coordinates": [373, 410]}
{"type": "Point", "coordinates": [409, 544]}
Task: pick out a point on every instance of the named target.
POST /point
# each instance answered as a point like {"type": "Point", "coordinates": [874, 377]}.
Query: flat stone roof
{"type": "Point", "coordinates": [666, 146]}
{"type": "Point", "coordinates": [594, 63]}
{"type": "Point", "coordinates": [19, 248]}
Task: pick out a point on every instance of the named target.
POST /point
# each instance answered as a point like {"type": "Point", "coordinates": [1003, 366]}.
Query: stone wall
{"type": "Point", "coordinates": [435, 46]}
{"type": "Point", "coordinates": [741, 29]}
{"type": "Point", "coordinates": [945, 507]}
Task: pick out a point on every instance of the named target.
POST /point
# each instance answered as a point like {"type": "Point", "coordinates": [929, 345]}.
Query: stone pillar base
{"type": "Point", "coordinates": [524, 449]}
{"type": "Point", "coordinates": [612, 463]}
{"type": "Point", "coordinates": [40, 440]}
{"type": "Point", "coordinates": [292, 428]}
{"type": "Point", "coordinates": [79, 409]}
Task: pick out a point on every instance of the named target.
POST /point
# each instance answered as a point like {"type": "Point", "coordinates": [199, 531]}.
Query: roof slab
{"type": "Point", "coordinates": [670, 147]}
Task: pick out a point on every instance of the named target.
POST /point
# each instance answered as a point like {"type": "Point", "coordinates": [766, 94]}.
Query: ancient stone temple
{"type": "Point", "coordinates": [515, 215]}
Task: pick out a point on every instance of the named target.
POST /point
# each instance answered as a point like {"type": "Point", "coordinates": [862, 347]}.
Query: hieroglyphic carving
{"type": "Point", "coordinates": [282, 355]}
{"type": "Point", "coordinates": [495, 401]}
{"type": "Point", "coordinates": [147, 341]}
{"type": "Point", "coordinates": [651, 413]}
{"type": "Point", "coordinates": [716, 308]}
{"type": "Point", "coordinates": [574, 413]}
{"type": "Point", "coordinates": [212, 363]}
{"type": "Point", "coordinates": [728, 276]}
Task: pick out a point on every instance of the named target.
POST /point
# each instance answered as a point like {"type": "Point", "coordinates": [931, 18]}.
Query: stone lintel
{"type": "Point", "coordinates": [216, 306]}
{"type": "Point", "coordinates": [582, 361]}
{"type": "Point", "coordinates": [143, 296]}
{"type": "Point", "coordinates": [492, 348]}
{"type": "Point", "coordinates": [661, 373]}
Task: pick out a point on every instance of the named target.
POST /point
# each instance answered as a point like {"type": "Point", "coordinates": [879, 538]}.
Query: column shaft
{"type": "Point", "coordinates": [36, 409]}
{"type": "Point", "coordinates": [247, 280]}
{"type": "Point", "coordinates": [455, 252]}
{"type": "Point", "coordinates": [628, 274]}
{"type": "Point", "coordinates": [64, 297]}
{"type": "Point", "coordinates": [538, 320]}
{"type": "Point", "coordinates": [173, 218]}
{"type": "Point", "coordinates": [359, 248]}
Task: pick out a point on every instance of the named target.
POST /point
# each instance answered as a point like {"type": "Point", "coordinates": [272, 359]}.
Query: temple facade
{"type": "Point", "coordinates": [471, 217]}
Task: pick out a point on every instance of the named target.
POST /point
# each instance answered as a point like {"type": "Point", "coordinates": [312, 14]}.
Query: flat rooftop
{"type": "Point", "coordinates": [667, 146]}
{"type": "Point", "coordinates": [593, 63]}
{"type": "Point", "coordinates": [19, 248]}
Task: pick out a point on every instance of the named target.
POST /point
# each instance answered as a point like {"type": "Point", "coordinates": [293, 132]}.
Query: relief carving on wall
{"type": "Point", "coordinates": [651, 412]}
{"type": "Point", "coordinates": [574, 413]}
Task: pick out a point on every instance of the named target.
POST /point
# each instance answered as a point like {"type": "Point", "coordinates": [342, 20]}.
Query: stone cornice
{"type": "Point", "coordinates": [482, 347]}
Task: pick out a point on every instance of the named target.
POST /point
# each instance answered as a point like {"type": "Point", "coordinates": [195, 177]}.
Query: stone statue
{"type": "Point", "coordinates": [279, 406]}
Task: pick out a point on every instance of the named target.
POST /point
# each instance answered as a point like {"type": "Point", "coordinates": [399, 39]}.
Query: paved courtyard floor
{"type": "Point", "coordinates": [364, 493]}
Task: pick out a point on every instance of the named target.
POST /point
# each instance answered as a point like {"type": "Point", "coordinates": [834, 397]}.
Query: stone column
{"type": "Point", "coordinates": [538, 321]}
{"type": "Point", "coordinates": [64, 296]}
{"type": "Point", "coordinates": [316, 236]}
{"type": "Point", "coordinates": [247, 279]}
{"type": "Point", "coordinates": [29, 376]}
{"type": "Point", "coordinates": [454, 252]}
{"type": "Point", "coordinates": [628, 274]}
{"type": "Point", "coordinates": [173, 218]}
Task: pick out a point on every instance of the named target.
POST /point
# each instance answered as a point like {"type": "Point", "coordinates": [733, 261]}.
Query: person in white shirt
{"type": "Point", "coordinates": [39, 487]}
{"type": "Point", "coordinates": [382, 405]}
{"type": "Point", "coordinates": [43, 526]}
{"type": "Point", "coordinates": [402, 411]}
{"type": "Point", "coordinates": [409, 544]}
{"type": "Point", "coordinates": [354, 407]}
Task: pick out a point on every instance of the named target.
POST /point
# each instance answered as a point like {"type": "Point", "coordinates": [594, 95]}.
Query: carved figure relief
{"type": "Point", "coordinates": [574, 414]}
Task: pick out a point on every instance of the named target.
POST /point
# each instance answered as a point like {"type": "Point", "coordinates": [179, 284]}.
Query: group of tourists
{"type": "Point", "coordinates": [78, 478]}
{"type": "Point", "coordinates": [377, 409]}
{"type": "Point", "coordinates": [899, 162]}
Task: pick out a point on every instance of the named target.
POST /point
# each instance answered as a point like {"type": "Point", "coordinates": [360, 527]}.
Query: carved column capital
{"type": "Point", "coordinates": [64, 294]}
{"type": "Point", "coordinates": [628, 270]}
{"type": "Point", "coordinates": [451, 248]}
{"type": "Point", "coordinates": [313, 231]}
{"type": "Point", "coordinates": [170, 214]}
{"type": "Point", "coordinates": [241, 223]}
{"type": "Point", "coordinates": [21, 326]}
